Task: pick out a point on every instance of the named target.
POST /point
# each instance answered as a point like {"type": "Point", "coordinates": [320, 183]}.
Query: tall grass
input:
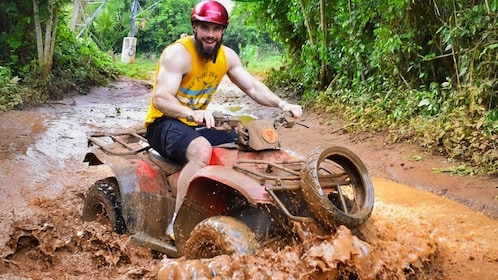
{"type": "Point", "coordinates": [143, 68]}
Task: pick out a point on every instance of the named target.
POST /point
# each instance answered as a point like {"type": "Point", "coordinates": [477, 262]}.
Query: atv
{"type": "Point", "coordinates": [252, 193]}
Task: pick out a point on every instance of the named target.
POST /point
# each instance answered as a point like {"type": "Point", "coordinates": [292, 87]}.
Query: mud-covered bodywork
{"type": "Point", "coordinates": [145, 196]}
{"type": "Point", "coordinates": [240, 184]}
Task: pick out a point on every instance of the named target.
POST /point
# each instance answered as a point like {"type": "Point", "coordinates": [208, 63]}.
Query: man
{"type": "Point", "coordinates": [188, 74]}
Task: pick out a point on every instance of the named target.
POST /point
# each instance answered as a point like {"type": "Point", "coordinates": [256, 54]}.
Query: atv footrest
{"type": "Point", "coordinates": [144, 240]}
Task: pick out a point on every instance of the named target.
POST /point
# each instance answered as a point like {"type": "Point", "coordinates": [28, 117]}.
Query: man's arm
{"type": "Point", "coordinates": [175, 62]}
{"type": "Point", "coordinates": [255, 89]}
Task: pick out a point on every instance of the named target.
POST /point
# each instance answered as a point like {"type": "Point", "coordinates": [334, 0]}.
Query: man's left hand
{"type": "Point", "coordinates": [295, 109]}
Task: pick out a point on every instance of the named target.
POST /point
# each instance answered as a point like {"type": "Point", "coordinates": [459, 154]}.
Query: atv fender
{"type": "Point", "coordinates": [216, 190]}
{"type": "Point", "coordinates": [142, 189]}
{"type": "Point", "coordinates": [248, 186]}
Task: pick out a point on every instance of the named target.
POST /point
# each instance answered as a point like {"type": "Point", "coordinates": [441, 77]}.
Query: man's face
{"type": "Point", "coordinates": [208, 38]}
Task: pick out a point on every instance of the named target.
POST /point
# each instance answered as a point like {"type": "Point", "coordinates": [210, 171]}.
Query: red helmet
{"type": "Point", "coordinates": [210, 11]}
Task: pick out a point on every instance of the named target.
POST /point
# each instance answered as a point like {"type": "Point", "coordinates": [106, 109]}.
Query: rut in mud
{"type": "Point", "coordinates": [411, 234]}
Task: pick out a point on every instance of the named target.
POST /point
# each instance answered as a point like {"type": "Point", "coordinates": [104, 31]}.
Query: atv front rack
{"type": "Point", "coordinates": [287, 174]}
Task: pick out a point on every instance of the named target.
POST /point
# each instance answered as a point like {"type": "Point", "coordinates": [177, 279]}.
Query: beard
{"type": "Point", "coordinates": [207, 53]}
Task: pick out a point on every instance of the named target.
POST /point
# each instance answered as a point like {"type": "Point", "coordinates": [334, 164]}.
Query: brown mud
{"type": "Point", "coordinates": [424, 225]}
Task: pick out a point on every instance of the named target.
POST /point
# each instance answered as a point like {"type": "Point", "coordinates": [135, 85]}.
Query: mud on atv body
{"type": "Point", "coordinates": [252, 192]}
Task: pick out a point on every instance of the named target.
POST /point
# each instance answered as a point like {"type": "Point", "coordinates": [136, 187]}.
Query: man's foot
{"type": "Point", "coordinates": [169, 231]}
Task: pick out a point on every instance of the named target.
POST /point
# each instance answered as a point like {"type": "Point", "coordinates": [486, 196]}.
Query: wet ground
{"type": "Point", "coordinates": [424, 225]}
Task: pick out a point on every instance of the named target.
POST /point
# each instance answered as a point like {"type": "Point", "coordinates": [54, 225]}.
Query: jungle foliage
{"type": "Point", "coordinates": [171, 18]}
{"type": "Point", "coordinates": [33, 66]}
{"type": "Point", "coordinates": [426, 71]}
{"type": "Point", "coordinates": [165, 25]}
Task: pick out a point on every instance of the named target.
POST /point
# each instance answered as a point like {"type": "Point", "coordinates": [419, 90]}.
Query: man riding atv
{"type": "Point", "coordinates": [214, 199]}
{"type": "Point", "coordinates": [188, 74]}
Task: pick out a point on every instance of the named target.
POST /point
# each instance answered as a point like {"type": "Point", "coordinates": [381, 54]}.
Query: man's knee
{"type": "Point", "coordinates": [199, 150]}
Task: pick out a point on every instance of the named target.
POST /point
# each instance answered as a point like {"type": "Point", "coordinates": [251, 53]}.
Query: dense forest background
{"type": "Point", "coordinates": [422, 71]}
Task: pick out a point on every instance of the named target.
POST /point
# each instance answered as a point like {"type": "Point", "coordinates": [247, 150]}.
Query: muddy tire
{"type": "Point", "coordinates": [219, 235]}
{"type": "Point", "coordinates": [337, 187]}
{"type": "Point", "coordinates": [103, 204]}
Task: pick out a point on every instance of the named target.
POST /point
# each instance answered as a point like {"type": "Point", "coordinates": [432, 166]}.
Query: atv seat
{"type": "Point", "coordinates": [169, 167]}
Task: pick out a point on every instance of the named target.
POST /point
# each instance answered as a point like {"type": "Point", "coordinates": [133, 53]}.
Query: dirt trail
{"type": "Point", "coordinates": [43, 181]}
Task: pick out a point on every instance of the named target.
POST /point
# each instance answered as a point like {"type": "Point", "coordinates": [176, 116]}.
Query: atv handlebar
{"type": "Point", "coordinates": [228, 122]}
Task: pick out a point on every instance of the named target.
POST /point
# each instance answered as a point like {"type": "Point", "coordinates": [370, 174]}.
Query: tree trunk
{"type": "Point", "coordinates": [45, 48]}
{"type": "Point", "coordinates": [325, 43]}
{"type": "Point", "coordinates": [39, 37]}
{"type": "Point", "coordinates": [51, 32]}
{"type": "Point", "coordinates": [307, 23]}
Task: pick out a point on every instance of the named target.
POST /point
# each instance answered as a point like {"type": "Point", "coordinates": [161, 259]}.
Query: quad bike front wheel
{"type": "Point", "coordinates": [337, 187]}
{"type": "Point", "coordinates": [103, 204]}
{"type": "Point", "coordinates": [219, 235]}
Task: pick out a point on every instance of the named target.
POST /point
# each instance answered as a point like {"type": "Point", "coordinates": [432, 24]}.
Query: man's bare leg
{"type": "Point", "coordinates": [198, 156]}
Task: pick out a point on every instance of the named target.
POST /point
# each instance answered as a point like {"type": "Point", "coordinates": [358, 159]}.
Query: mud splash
{"type": "Point", "coordinates": [52, 245]}
{"type": "Point", "coordinates": [339, 256]}
{"type": "Point", "coordinates": [60, 245]}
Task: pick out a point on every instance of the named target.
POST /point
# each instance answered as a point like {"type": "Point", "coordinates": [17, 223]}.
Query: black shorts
{"type": "Point", "coordinates": [170, 137]}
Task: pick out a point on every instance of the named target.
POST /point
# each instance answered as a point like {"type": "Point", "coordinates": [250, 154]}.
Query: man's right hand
{"type": "Point", "coordinates": [203, 117]}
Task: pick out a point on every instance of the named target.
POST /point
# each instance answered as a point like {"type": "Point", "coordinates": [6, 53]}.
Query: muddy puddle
{"type": "Point", "coordinates": [411, 235]}
{"type": "Point", "coordinates": [58, 245]}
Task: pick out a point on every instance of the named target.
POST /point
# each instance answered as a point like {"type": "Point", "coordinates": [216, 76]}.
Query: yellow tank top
{"type": "Point", "coordinates": [198, 86]}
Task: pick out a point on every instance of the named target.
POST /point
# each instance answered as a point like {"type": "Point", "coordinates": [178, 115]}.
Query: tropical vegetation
{"type": "Point", "coordinates": [424, 71]}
